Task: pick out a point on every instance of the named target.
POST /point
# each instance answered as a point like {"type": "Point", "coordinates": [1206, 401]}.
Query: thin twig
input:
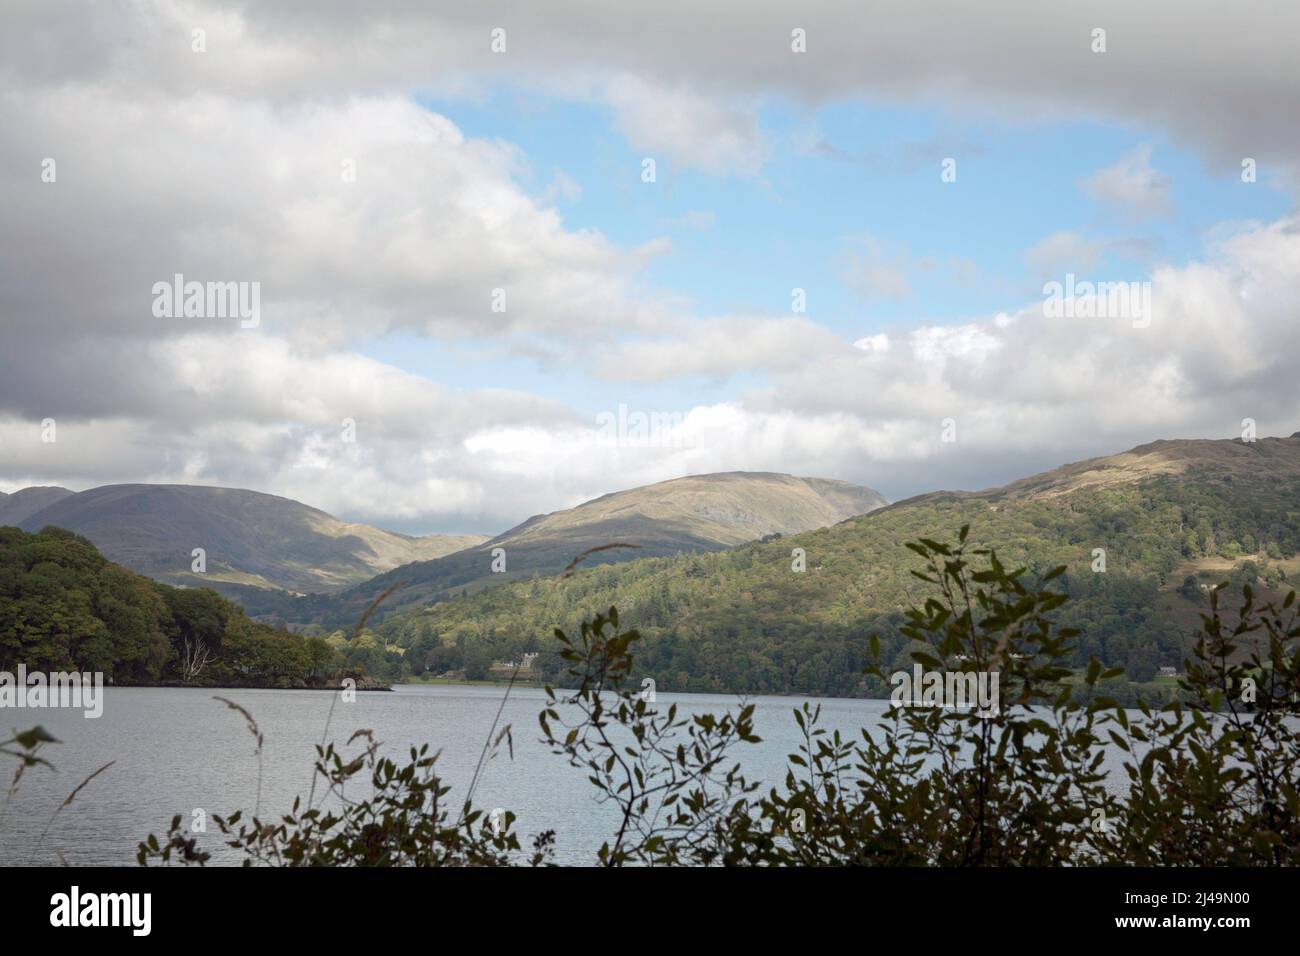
{"type": "Point", "coordinates": [573, 565]}
{"type": "Point", "coordinates": [469, 794]}
{"type": "Point", "coordinates": [334, 698]}
{"type": "Point", "coordinates": [59, 810]}
{"type": "Point", "coordinates": [257, 735]}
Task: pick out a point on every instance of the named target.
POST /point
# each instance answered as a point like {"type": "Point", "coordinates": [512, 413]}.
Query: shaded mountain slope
{"type": "Point", "coordinates": [16, 507]}
{"type": "Point", "coordinates": [699, 513]}
{"type": "Point", "coordinates": [250, 539]}
{"type": "Point", "coordinates": [1170, 519]}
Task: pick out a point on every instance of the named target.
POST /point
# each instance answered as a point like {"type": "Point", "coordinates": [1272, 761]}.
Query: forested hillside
{"type": "Point", "coordinates": [1169, 518]}
{"type": "Point", "coordinates": [65, 607]}
{"type": "Point", "coordinates": [698, 513]}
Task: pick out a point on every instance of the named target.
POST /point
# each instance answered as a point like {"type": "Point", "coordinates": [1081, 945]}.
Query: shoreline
{"type": "Point", "coordinates": [365, 684]}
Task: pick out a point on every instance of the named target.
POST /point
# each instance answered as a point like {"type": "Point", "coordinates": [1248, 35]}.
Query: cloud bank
{"type": "Point", "coordinates": [293, 152]}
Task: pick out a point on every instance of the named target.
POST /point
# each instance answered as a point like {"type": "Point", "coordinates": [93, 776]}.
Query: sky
{"type": "Point", "coordinates": [489, 240]}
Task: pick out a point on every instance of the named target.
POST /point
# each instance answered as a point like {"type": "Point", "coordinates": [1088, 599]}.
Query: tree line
{"type": "Point", "coordinates": [64, 607]}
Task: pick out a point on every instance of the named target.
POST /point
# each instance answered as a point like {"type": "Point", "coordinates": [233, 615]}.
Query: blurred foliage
{"type": "Point", "coordinates": [405, 820]}
{"type": "Point", "coordinates": [669, 775]}
{"type": "Point", "coordinates": [1216, 780]}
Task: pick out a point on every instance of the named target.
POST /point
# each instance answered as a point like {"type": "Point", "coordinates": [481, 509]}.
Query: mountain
{"type": "Point", "coordinates": [251, 540]}
{"type": "Point", "coordinates": [19, 505]}
{"type": "Point", "coordinates": [721, 509]}
{"type": "Point", "coordinates": [1228, 459]}
{"type": "Point", "coordinates": [1142, 535]}
{"type": "Point", "coordinates": [699, 513]}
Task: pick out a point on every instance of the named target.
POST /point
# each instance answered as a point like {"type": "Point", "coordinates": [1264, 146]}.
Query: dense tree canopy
{"type": "Point", "coordinates": [745, 620]}
{"type": "Point", "coordinates": [64, 607]}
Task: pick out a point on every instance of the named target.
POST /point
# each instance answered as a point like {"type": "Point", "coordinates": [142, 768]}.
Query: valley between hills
{"type": "Point", "coordinates": [739, 582]}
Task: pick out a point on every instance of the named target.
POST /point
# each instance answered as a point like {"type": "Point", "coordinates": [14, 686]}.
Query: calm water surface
{"type": "Point", "coordinates": [176, 749]}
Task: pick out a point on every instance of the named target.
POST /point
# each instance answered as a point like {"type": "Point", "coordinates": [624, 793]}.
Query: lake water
{"type": "Point", "coordinates": [177, 749]}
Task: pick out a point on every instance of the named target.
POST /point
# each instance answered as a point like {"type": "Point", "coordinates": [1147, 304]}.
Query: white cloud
{"type": "Point", "coordinates": [226, 165]}
{"type": "Point", "coordinates": [563, 187]}
{"type": "Point", "coordinates": [1132, 187]}
{"type": "Point", "coordinates": [690, 129]}
{"type": "Point", "coordinates": [719, 348]}
{"type": "Point", "coordinates": [1063, 252]}
{"type": "Point", "coordinates": [219, 189]}
{"type": "Point", "coordinates": [1218, 349]}
{"type": "Point", "coordinates": [1027, 393]}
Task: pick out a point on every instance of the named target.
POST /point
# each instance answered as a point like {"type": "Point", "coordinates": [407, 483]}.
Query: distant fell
{"type": "Point", "coordinates": [1143, 536]}
{"type": "Point", "coordinates": [249, 539]}
{"type": "Point", "coordinates": [16, 507]}
{"type": "Point", "coordinates": [698, 513]}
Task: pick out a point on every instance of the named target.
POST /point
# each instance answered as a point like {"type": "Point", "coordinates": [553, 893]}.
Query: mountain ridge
{"type": "Point", "coordinates": [24, 502]}
{"type": "Point", "coordinates": [693, 513]}
{"type": "Point", "coordinates": [1165, 456]}
{"type": "Point", "coordinates": [1143, 534]}
{"type": "Point", "coordinates": [250, 538]}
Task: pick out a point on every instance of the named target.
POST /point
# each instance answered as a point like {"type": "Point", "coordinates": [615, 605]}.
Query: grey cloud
{"type": "Point", "coordinates": [225, 165]}
{"type": "Point", "coordinates": [1216, 78]}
